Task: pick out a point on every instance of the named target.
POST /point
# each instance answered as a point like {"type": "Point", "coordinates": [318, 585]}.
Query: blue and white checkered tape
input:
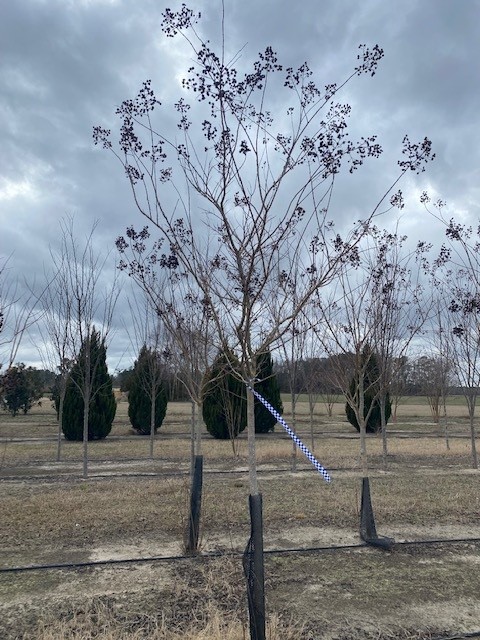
{"type": "Point", "coordinates": [303, 448]}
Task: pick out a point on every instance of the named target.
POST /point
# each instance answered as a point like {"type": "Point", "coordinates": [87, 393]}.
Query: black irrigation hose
{"type": "Point", "coordinates": [459, 636]}
{"type": "Point", "coordinates": [437, 541]}
{"type": "Point", "coordinates": [200, 557]}
{"type": "Point", "coordinates": [72, 475]}
{"type": "Point", "coordinates": [219, 554]}
{"type": "Point", "coordinates": [154, 474]}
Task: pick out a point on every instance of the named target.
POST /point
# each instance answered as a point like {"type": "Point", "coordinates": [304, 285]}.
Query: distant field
{"type": "Point", "coordinates": [405, 400]}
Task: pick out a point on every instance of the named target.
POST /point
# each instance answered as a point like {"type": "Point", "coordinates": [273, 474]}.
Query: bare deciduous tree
{"type": "Point", "coordinates": [375, 311]}
{"type": "Point", "coordinates": [182, 312]}
{"type": "Point", "coordinates": [56, 338]}
{"type": "Point", "coordinates": [245, 184]}
{"type": "Point", "coordinates": [88, 308]}
{"type": "Point", "coordinates": [187, 323]}
{"type": "Point", "coordinates": [148, 333]}
{"type": "Point", "coordinates": [457, 268]}
{"type": "Point", "coordinates": [401, 308]}
{"type": "Point", "coordinates": [232, 206]}
{"type": "Point", "coordinates": [18, 312]}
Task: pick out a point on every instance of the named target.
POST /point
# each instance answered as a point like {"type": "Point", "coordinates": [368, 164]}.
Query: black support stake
{"type": "Point", "coordinates": [368, 530]}
{"type": "Point", "coordinates": [195, 506]}
{"type": "Point", "coordinates": [253, 567]}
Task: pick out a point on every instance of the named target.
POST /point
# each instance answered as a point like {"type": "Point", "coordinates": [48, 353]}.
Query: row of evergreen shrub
{"type": "Point", "coordinates": [224, 397]}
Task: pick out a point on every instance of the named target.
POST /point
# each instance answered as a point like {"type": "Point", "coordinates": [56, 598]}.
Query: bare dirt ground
{"type": "Point", "coordinates": [49, 515]}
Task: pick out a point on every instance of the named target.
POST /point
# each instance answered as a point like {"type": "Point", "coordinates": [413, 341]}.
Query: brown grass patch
{"type": "Point", "coordinates": [44, 519]}
{"type": "Point", "coordinates": [202, 601]}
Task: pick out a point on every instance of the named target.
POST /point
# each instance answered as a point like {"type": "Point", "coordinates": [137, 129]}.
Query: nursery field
{"type": "Point", "coordinates": [124, 528]}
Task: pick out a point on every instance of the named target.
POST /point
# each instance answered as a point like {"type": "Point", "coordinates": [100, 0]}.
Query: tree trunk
{"type": "Point", "coordinates": [86, 407]}
{"type": "Point", "coordinates": [445, 423]}
{"type": "Point", "coordinates": [363, 427]}
{"type": "Point", "coordinates": [252, 462]}
{"type": "Point", "coordinates": [311, 407]}
{"type": "Point", "coordinates": [63, 389]}
{"type": "Point", "coordinates": [383, 423]}
{"type": "Point", "coordinates": [472, 436]}
{"type": "Point", "coordinates": [192, 439]}
{"type": "Point", "coordinates": [294, 426]}
{"type": "Point", "coordinates": [153, 394]}
{"type": "Point", "coordinates": [363, 448]}
{"type": "Point", "coordinates": [86, 411]}
{"type": "Point", "coordinates": [198, 422]}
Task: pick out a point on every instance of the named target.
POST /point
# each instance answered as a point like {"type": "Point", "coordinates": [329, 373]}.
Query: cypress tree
{"type": "Point", "coordinates": [224, 406]}
{"type": "Point", "coordinates": [371, 377]}
{"type": "Point", "coordinates": [269, 389]}
{"type": "Point", "coordinates": [144, 383]}
{"type": "Point", "coordinates": [102, 406]}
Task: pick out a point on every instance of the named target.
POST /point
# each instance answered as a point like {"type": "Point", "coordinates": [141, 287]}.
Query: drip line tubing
{"type": "Point", "coordinates": [459, 636]}
{"type": "Point", "coordinates": [220, 554]}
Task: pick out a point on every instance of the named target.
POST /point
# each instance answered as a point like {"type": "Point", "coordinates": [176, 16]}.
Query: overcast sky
{"type": "Point", "coordinates": [66, 64]}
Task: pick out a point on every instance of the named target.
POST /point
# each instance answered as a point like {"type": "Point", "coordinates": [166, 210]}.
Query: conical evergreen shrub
{"type": "Point", "coordinates": [143, 384]}
{"type": "Point", "coordinates": [102, 405]}
{"type": "Point", "coordinates": [371, 377]}
{"type": "Point", "coordinates": [268, 388]}
{"type": "Point", "coordinates": [224, 406]}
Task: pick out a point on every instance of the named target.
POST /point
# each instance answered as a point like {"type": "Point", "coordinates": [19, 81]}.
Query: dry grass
{"type": "Point", "coordinates": [383, 593]}
{"type": "Point", "coordinates": [413, 593]}
{"type": "Point", "coordinates": [47, 522]}
{"type": "Point", "coordinates": [84, 514]}
{"type": "Point", "coordinates": [203, 601]}
{"type": "Point", "coordinates": [218, 627]}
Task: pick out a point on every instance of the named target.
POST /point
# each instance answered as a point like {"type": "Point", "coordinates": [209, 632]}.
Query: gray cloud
{"type": "Point", "coordinates": [66, 65]}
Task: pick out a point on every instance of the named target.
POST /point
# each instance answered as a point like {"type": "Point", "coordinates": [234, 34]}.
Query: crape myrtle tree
{"type": "Point", "coordinates": [440, 337]}
{"type": "Point", "coordinates": [185, 320]}
{"type": "Point", "coordinates": [57, 349]}
{"type": "Point", "coordinates": [231, 193]}
{"type": "Point", "coordinates": [191, 353]}
{"type": "Point", "coordinates": [330, 392]}
{"type": "Point", "coordinates": [399, 385]}
{"type": "Point", "coordinates": [315, 382]}
{"type": "Point", "coordinates": [147, 392]}
{"type": "Point", "coordinates": [401, 308]}
{"type": "Point", "coordinates": [188, 347]}
{"type": "Point", "coordinates": [370, 318]}
{"type": "Point", "coordinates": [80, 269]}
{"type": "Point", "coordinates": [457, 328]}
{"type": "Point", "coordinates": [101, 399]}
{"type": "Point", "coordinates": [458, 267]}
{"type": "Point", "coordinates": [429, 377]}
{"type": "Point", "coordinates": [464, 321]}
{"type": "Point", "coordinates": [18, 312]}
{"type": "Point", "coordinates": [292, 345]}
{"type": "Point", "coordinates": [245, 181]}
{"type": "Point", "coordinates": [343, 323]}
